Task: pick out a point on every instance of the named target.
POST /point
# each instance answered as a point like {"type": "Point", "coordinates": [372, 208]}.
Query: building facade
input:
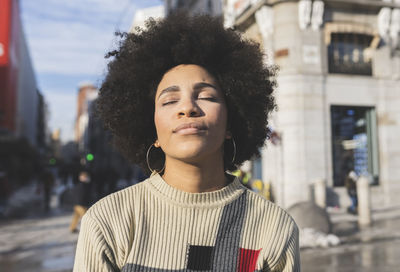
{"type": "Point", "coordinates": [87, 93]}
{"type": "Point", "coordinates": [338, 94]}
{"type": "Point", "coordinates": [20, 100]}
{"type": "Point", "coordinates": [9, 44]}
{"type": "Point", "coordinates": [23, 110]}
{"type": "Point", "coordinates": [28, 100]}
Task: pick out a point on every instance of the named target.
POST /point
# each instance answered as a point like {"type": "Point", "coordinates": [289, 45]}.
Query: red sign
{"type": "Point", "coordinates": [5, 10]}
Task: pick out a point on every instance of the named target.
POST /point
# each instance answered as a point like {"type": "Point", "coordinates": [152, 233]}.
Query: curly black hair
{"type": "Point", "coordinates": [126, 97]}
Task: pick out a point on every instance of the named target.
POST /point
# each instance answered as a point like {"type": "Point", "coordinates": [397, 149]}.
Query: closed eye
{"type": "Point", "coordinates": [169, 102]}
{"type": "Point", "coordinates": [208, 98]}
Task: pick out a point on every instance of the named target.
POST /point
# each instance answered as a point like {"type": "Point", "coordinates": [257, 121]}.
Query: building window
{"type": "Point", "coordinates": [350, 53]}
{"type": "Point", "coordinates": [354, 143]}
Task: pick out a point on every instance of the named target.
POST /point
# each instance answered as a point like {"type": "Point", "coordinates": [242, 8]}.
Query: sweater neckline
{"type": "Point", "coordinates": [175, 196]}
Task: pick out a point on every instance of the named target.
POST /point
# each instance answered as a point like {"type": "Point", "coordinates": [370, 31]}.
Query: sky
{"type": "Point", "coordinates": [68, 40]}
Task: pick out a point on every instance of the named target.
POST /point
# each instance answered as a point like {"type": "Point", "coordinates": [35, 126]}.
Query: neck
{"type": "Point", "coordinates": [195, 178]}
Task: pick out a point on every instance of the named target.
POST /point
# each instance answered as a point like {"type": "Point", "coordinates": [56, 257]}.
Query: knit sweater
{"type": "Point", "coordinates": [153, 226]}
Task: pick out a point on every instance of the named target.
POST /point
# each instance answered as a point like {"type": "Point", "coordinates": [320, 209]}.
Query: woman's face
{"type": "Point", "coordinates": [190, 114]}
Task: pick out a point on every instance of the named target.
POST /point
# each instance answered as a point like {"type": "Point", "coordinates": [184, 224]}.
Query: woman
{"type": "Point", "coordinates": [189, 100]}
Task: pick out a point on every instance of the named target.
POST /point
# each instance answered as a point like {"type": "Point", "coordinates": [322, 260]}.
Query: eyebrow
{"type": "Point", "coordinates": [170, 89]}
{"type": "Point", "coordinates": [197, 86]}
{"type": "Point", "coordinates": [201, 85]}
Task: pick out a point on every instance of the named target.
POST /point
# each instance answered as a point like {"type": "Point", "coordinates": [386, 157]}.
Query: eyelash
{"type": "Point", "coordinates": [208, 98]}
{"type": "Point", "coordinates": [168, 102]}
{"type": "Point", "coordinates": [213, 99]}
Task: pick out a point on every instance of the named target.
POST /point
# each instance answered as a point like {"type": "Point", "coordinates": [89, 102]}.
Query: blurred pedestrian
{"type": "Point", "coordinates": [189, 100]}
{"type": "Point", "coordinates": [47, 183]}
{"type": "Point", "coordinates": [351, 186]}
{"type": "Point", "coordinates": [82, 199]}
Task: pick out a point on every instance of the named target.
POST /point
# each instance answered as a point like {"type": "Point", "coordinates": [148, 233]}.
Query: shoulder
{"type": "Point", "coordinates": [118, 204]}
{"type": "Point", "coordinates": [275, 218]}
{"type": "Point", "coordinates": [112, 218]}
{"type": "Point", "coordinates": [108, 225]}
{"type": "Point", "coordinates": [276, 230]}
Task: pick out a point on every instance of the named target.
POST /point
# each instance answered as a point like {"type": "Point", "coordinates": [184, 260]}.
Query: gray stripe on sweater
{"type": "Point", "coordinates": [229, 233]}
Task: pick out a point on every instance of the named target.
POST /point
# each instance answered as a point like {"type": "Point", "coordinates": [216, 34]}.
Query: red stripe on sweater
{"type": "Point", "coordinates": [248, 259]}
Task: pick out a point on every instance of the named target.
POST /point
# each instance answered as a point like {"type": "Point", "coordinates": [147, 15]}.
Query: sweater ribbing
{"type": "Point", "coordinates": [194, 200]}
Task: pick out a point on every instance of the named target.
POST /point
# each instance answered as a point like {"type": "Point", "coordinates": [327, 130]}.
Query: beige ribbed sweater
{"type": "Point", "coordinates": [152, 226]}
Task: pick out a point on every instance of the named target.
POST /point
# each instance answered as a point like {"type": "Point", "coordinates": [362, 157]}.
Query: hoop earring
{"type": "Point", "coordinates": [234, 150]}
{"type": "Point", "coordinates": [148, 164]}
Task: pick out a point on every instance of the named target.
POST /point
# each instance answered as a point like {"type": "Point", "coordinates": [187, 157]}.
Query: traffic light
{"type": "Point", "coordinates": [52, 161]}
{"type": "Point", "coordinates": [89, 157]}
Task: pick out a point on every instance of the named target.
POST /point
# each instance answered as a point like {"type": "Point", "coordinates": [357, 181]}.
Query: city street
{"type": "Point", "coordinates": [298, 99]}
{"type": "Point", "coordinates": [382, 256]}
{"type": "Point", "coordinates": [37, 244]}
{"type": "Point", "coordinates": [371, 250]}
{"type": "Point", "coordinates": [43, 243]}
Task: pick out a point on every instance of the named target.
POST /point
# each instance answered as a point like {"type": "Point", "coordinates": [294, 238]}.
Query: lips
{"type": "Point", "coordinates": [190, 128]}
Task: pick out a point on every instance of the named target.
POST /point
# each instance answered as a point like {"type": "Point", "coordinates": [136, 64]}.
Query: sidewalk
{"type": "Point", "coordinates": [38, 244]}
{"type": "Point", "coordinates": [32, 240]}
{"type": "Point", "coordinates": [23, 202]}
{"type": "Point", "coordinates": [385, 225]}
{"type": "Point", "coordinates": [372, 249]}
{"type": "Point", "coordinates": [27, 201]}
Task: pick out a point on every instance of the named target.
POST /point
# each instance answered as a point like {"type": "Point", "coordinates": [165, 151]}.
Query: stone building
{"type": "Point", "coordinates": [338, 94]}
{"type": "Point", "coordinates": [192, 7]}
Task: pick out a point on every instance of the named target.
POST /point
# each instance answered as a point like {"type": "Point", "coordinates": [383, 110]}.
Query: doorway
{"type": "Point", "coordinates": [354, 143]}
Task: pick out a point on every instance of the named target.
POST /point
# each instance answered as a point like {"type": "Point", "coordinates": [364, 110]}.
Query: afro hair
{"type": "Point", "coordinates": [126, 97]}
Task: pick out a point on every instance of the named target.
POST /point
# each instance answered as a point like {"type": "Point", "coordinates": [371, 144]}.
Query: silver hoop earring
{"type": "Point", "coordinates": [148, 164]}
{"type": "Point", "coordinates": [234, 150]}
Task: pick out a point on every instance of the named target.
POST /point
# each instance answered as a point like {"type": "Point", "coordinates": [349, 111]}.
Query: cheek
{"type": "Point", "coordinates": [160, 121]}
{"type": "Point", "coordinates": [219, 117]}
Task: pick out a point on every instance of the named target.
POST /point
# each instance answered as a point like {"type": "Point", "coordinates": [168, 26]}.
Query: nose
{"type": "Point", "coordinates": [188, 108]}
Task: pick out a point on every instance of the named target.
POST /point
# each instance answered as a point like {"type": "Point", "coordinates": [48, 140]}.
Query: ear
{"type": "Point", "coordinates": [157, 144]}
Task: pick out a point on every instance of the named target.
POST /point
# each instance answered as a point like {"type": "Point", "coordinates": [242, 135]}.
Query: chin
{"type": "Point", "coordinates": [192, 152]}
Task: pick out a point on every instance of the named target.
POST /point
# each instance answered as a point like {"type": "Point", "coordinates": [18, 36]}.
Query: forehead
{"type": "Point", "coordinates": [185, 73]}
